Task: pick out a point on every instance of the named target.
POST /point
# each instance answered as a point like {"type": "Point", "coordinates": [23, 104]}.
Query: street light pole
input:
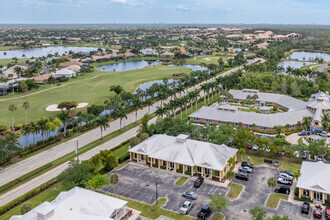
{"type": "Point", "coordinates": [156, 194]}
{"type": "Point", "coordinates": [77, 151]}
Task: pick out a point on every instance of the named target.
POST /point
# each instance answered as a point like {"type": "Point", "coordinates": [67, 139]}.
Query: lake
{"type": "Point", "coordinates": [133, 65]}
{"type": "Point", "coordinates": [43, 51]}
{"type": "Point", "coordinates": [307, 56]}
{"type": "Point", "coordinates": [294, 64]}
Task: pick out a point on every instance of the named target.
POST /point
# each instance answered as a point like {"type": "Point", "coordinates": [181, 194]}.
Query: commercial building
{"type": "Point", "coordinates": [314, 182]}
{"type": "Point", "coordinates": [294, 110]}
{"type": "Point", "coordinates": [80, 204]}
{"type": "Point", "coordinates": [184, 155]}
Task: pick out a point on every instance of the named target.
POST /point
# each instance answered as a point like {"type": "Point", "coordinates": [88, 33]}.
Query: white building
{"type": "Point", "coordinates": [65, 72]}
{"type": "Point", "coordinates": [79, 204]}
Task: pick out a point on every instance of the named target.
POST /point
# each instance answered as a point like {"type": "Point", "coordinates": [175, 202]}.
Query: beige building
{"type": "Point", "coordinates": [184, 155]}
{"type": "Point", "coordinates": [314, 182]}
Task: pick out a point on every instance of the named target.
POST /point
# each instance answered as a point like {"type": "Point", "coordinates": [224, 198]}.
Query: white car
{"type": "Point", "coordinates": [285, 176]}
{"type": "Point", "coordinates": [186, 207]}
{"type": "Point", "coordinates": [245, 169]}
{"type": "Point", "coordinates": [255, 148]}
{"type": "Point", "coordinates": [284, 181]}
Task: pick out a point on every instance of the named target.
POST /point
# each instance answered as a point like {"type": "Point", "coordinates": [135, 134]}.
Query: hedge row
{"type": "Point", "coordinates": [123, 158]}
{"type": "Point", "coordinates": [26, 196]}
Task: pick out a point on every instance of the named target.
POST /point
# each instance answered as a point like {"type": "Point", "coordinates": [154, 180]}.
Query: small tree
{"type": "Point", "coordinates": [108, 159]}
{"type": "Point", "coordinates": [230, 175]}
{"type": "Point", "coordinates": [258, 213]}
{"type": "Point", "coordinates": [242, 152]}
{"type": "Point", "coordinates": [296, 175]}
{"type": "Point", "coordinates": [75, 175]}
{"type": "Point", "coordinates": [218, 203]}
{"type": "Point", "coordinates": [97, 181]}
{"type": "Point", "coordinates": [231, 161]}
{"type": "Point", "coordinates": [26, 105]}
{"type": "Point", "coordinates": [26, 207]}
{"type": "Point", "coordinates": [102, 121]}
{"type": "Point", "coordinates": [271, 182]}
{"type": "Point", "coordinates": [114, 179]}
{"type": "Point", "coordinates": [12, 108]}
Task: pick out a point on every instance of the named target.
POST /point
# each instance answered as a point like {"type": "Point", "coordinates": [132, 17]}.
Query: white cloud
{"type": "Point", "coordinates": [120, 1]}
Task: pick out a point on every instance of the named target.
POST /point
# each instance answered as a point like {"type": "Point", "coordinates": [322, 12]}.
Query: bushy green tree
{"type": "Point", "coordinates": [108, 159]}
{"type": "Point", "coordinates": [75, 175]}
{"type": "Point", "coordinates": [97, 181]}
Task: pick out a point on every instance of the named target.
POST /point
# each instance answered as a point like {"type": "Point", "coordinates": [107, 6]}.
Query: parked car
{"type": "Point", "coordinates": [285, 176]}
{"type": "Point", "coordinates": [287, 172]}
{"type": "Point", "coordinates": [186, 207]}
{"type": "Point", "coordinates": [282, 190]}
{"type": "Point", "coordinates": [276, 163]}
{"type": "Point", "coordinates": [245, 169]}
{"type": "Point", "coordinates": [327, 213]}
{"type": "Point", "coordinates": [305, 208]}
{"type": "Point", "coordinates": [242, 176]}
{"type": "Point", "coordinates": [204, 212]}
{"type": "Point", "coordinates": [198, 182]}
{"type": "Point", "coordinates": [284, 181]}
{"type": "Point", "coordinates": [303, 133]}
{"type": "Point", "coordinates": [255, 148]}
{"type": "Point", "coordinates": [317, 213]}
{"type": "Point", "coordinates": [247, 164]}
{"type": "Point", "coordinates": [190, 195]}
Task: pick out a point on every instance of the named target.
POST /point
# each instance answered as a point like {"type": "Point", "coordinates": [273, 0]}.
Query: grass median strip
{"type": "Point", "coordinates": [51, 165]}
{"type": "Point", "coordinates": [181, 180]}
{"type": "Point", "coordinates": [235, 190]}
{"type": "Point", "coordinates": [217, 216]}
{"type": "Point", "coordinates": [274, 200]}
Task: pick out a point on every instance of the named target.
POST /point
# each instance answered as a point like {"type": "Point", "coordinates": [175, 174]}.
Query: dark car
{"type": "Point", "coordinates": [302, 133]}
{"type": "Point", "coordinates": [242, 176]}
{"type": "Point", "coordinates": [283, 190]}
{"type": "Point", "coordinates": [305, 208]}
{"type": "Point", "coordinates": [204, 212]}
{"type": "Point", "coordinates": [190, 195]}
{"type": "Point", "coordinates": [327, 213]}
{"type": "Point", "coordinates": [198, 182]}
{"type": "Point", "coordinates": [287, 172]}
{"type": "Point", "coordinates": [247, 164]}
{"type": "Point", "coordinates": [317, 213]}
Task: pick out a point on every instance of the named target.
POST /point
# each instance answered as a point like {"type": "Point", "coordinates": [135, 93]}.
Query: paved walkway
{"type": "Point", "coordinates": [293, 138]}
{"type": "Point", "coordinates": [16, 170]}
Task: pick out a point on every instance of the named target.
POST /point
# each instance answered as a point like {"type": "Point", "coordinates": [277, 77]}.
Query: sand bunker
{"type": "Point", "coordinates": [53, 108]}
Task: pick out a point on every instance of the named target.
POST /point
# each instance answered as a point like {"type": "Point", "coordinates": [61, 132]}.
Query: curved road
{"type": "Point", "coordinates": [16, 170]}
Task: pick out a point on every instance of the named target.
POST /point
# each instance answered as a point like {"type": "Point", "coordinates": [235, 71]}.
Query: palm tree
{"type": "Point", "coordinates": [136, 104]}
{"type": "Point", "coordinates": [242, 152]}
{"type": "Point", "coordinates": [306, 123]}
{"type": "Point", "coordinates": [34, 130]}
{"type": "Point", "coordinates": [121, 114]}
{"type": "Point", "coordinates": [271, 182]}
{"type": "Point", "coordinates": [41, 123]}
{"type": "Point", "coordinates": [278, 129]}
{"type": "Point", "coordinates": [149, 103]}
{"type": "Point", "coordinates": [325, 122]}
{"type": "Point", "coordinates": [231, 161]}
{"type": "Point", "coordinates": [18, 70]}
{"type": "Point", "coordinates": [103, 123]}
{"type": "Point", "coordinates": [205, 89]}
{"type": "Point", "coordinates": [230, 175]}
{"type": "Point", "coordinates": [114, 179]}
{"type": "Point", "coordinates": [26, 105]}
{"type": "Point", "coordinates": [12, 108]}
{"type": "Point", "coordinates": [160, 111]}
{"type": "Point", "coordinates": [64, 116]}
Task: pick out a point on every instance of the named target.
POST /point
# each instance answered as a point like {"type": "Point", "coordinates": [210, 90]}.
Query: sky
{"type": "Point", "coordinates": [165, 11]}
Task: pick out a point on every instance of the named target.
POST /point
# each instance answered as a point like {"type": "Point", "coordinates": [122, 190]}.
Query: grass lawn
{"type": "Point", "coordinates": [235, 190]}
{"type": "Point", "coordinates": [4, 62]}
{"type": "Point", "coordinates": [204, 59]}
{"type": "Point", "coordinates": [93, 91]}
{"type": "Point", "coordinates": [47, 195]}
{"type": "Point", "coordinates": [276, 200]}
{"type": "Point", "coordinates": [258, 160]}
{"type": "Point", "coordinates": [217, 216]}
{"type": "Point", "coordinates": [181, 181]}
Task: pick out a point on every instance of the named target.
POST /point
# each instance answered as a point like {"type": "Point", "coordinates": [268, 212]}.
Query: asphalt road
{"type": "Point", "coordinates": [16, 170]}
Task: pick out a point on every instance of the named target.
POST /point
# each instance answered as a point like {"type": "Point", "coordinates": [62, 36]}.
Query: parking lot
{"type": "Point", "coordinates": [138, 183]}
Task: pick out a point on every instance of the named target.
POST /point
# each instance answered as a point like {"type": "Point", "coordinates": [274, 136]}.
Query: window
{"type": "Point", "coordinates": [164, 163]}
{"type": "Point", "coordinates": [208, 120]}
{"type": "Point", "coordinates": [135, 155]}
{"type": "Point", "coordinates": [180, 167]}
{"type": "Point", "coordinates": [196, 119]}
{"type": "Point", "coordinates": [225, 169]}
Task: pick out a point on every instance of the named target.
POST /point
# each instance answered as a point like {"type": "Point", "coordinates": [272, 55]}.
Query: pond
{"type": "Point", "coordinates": [294, 64]}
{"type": "Point", "coordinates": [308, 56]}
{"type": "Point", "coordinates": [133, 65]}
{"type": "Point", "coordinates": [43, 51]}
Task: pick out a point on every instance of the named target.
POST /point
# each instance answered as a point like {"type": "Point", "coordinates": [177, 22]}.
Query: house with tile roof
{"type": "Point", "coordinates": [184, 155]}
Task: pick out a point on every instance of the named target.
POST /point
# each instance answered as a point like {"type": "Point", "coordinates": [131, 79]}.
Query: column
{"type": "Point", "coordinates": [159, 162]}
{"type": "Point", "coordinates": [311, 194]}
{"type": "Point", "coordinates": [184, 168]}
{"type": "Point", "coordinates": [324, 196]}
{"type": "Point", "coordinates": [301, 192]}
{"type": "Point", "coordinates": [192, 171]}
{"type": "Point", "coordinates": [211, 173]}
{"type": "Point", "coordinates": [202, 171]}
{"type": "Point", "coordinates": [167, 165]}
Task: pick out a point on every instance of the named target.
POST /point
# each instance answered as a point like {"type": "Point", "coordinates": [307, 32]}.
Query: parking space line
{"type": "Point", "coordinates": [210, 191]}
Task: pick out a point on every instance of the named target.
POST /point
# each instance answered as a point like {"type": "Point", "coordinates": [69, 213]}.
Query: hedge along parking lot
{"type": "Point", "coordinates": [138, 183]}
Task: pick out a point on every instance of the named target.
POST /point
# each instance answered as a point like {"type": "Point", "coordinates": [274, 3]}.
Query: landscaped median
{"type": "Point", "coordinates": [274, 200]}
{"type": "Point", "coordinates": [51, 165]}
{"type": "Point", "coordinates": [234, 191]}
{"type": "Point", "coordinates": [181, 181]}
{"type": "Point", "coordinates": [218, 216]}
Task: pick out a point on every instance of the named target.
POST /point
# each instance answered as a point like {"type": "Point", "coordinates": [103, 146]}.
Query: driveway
{"type": "Point", "coordinates": [138, 183]}
{"type": "Point", "coordinates": [293, 138]}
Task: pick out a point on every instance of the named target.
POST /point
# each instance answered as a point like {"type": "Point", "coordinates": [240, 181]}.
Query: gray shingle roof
{"type": "Point", "coordinates": [315, 176]}
{"type": "Point", "coordinates": [188, 152]}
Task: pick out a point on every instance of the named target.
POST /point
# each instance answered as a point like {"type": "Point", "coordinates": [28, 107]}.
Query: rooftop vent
{"type": "Point", "coordinates": [182, 138]}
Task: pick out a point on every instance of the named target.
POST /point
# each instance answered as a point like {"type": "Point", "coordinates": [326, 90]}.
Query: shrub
{"type": "Point", "coordinates": [179, 170]}
{"type": "Point", "coordinates": [75, 129]}
{"type": "Point", "coordinates": [163, 167]}
{"type": "Point", "coordinates": [26, 207]}
{"type": "Point", "coordinates": [123, 158]}
{"type": "Point", "coordinates": [155, 165]}
{"type": "Point", "coordinates": [188, 173]}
